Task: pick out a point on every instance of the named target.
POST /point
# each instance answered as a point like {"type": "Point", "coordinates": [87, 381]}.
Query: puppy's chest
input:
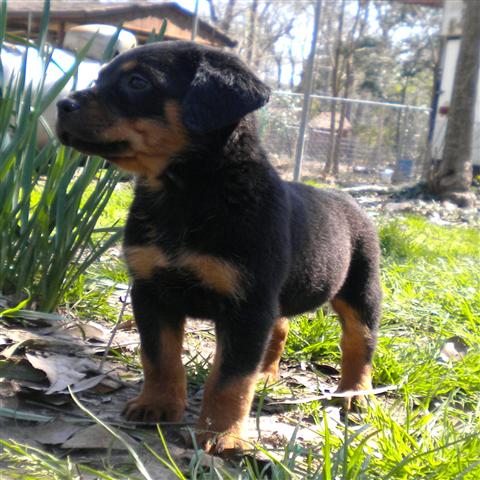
{"type": "Point", "coordinates": [166, 255]}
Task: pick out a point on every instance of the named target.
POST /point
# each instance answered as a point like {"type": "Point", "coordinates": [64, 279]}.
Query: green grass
{"type": "Point", "coordinates": [415, 238]}
{"type": "Point", "coordinates": [85, 299]}
{"type": "Point", "coordinates": [431, 293]}
{"type": "Point", "coordinates": [428, 428]}
{"type": "Point", "coordinates": [115, 212]}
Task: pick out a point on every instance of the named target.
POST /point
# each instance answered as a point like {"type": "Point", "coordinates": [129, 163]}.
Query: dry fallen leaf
{"type": "Point", "coordinates": [86, 331]}
{"type": "Point", "coordinates": [87, 383]}
{"type": "Point", "coordinates": [157, 470]}
{"type": "Point", "coordinates": [183, 456]}
{"type": "Point", "coordinates": [50, 343]}
{"type": "Point", "coordinates": [276, 432]}
{"type": "Point", "coordinates": [308, 380]}
{"type": "Point", "coordinates": [95, 436]}
{"type": "Point", "coordinates": [53, 433]}
{"type": "Point", "coordinates": [62, 370]}
{"type": "Point", "coordinates": [107, 385]}
{"type": "Point", "coordinates": [20, 371]}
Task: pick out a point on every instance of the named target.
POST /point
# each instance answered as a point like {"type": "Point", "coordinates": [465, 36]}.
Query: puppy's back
{"type": "Point", "coordinates": [328, 229]}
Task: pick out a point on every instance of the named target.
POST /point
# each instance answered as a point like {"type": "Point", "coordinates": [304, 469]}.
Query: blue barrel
{"type": "Point", "coordinates": [403, 170]}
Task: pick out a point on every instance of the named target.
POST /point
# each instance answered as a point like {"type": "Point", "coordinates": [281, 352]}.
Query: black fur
{"type": "Point", "coordinates": [295, 246]}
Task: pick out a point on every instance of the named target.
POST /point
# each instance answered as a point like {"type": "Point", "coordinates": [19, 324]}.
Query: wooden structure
{"type": "Point", "coordinates": [319, 134]}
{"type": "Point", "coordinates": [424, 3]}
{"type": "Point", "coordinates": [139, 17]}
{"type": "Point", "coordinates": [321, 122]}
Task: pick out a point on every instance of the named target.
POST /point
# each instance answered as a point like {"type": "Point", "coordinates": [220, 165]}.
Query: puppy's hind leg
{"type": "Point", "coordinates": [357, 344]}
{"type": "Point", "coordinates": [271, 360]}
{"type": "Point", "coordinates": [358, 305]}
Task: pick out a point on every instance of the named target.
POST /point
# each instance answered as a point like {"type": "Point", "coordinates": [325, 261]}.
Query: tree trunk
{"type": "Point", "coordinates": [279, 63]}
{"type": "Point", "coordinates": [377, 156]}
{"type": "Point", "coordinates": [309, 78]}
{"type": "Point", "coordinates": [400, 120]}
{"type": "Point", "coordinates": [291, 59]}
{"type": "Point", "coordinates": [335, 90]}
{"type": "Point", "coordinates": [251, 40]}
{"type": "Point", "coordinates": [346, 91]}
{"type": "Point", "coordinates": [213, 13]}
{"type": "Point", "coordinates": [453, 178]}
{"type": "Point", "coordinates": [227, 19]}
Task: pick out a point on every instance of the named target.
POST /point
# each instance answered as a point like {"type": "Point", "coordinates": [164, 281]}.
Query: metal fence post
{"type": "Point", "coordinates": [306, 98]}
{"type": "Point", "coordinates": [195, 21]}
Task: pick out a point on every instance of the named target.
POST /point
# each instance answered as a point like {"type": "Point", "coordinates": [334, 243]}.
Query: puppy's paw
{"type": "Point", "coordinates": [270, 375]}
{"type": "Point", "coordinates": [149, 408]}
{"type": "Point", "coordinates": [224, 444]}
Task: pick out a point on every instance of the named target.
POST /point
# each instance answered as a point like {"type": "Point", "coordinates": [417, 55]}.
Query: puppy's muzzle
{"type": "Point", "coordinates": [82, 120]}
{"type": "Point", "coordinates": [67, 106]}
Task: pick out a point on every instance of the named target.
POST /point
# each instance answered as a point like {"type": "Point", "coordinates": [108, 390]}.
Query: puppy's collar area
{"type": "Point", "coordinates": [237, 147]}
{"type": "Point", "coordinates": [171, 178]}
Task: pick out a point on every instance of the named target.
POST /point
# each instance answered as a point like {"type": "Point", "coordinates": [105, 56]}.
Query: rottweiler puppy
{"type": "Point", "coordinates": [214, 233]}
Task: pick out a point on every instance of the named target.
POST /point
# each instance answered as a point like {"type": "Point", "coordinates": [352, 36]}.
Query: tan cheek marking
{"type": "Point", "coordinates": [170, 136]}
{"type": "Point", "coordinates": [152, 142]}
{"type": "Point", "coordinates": [215, 273]}
{"type": "Point", "coordinates": [143, 260]}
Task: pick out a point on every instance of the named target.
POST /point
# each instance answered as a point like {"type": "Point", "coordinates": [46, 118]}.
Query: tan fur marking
{"type": "Point", "coordinates": [164, 391]}
{"type": "Point", "coordinates": [152, 143]}
{"type": "Point", "coordinates": [356, 369]}
{"type": "Point", "coordinates": [143, 260]}
{"type": "Point", "coordinates": [225, 410]}
{"type": "Point", "coordinates": [213, 272]}
{"type": "Point", "coordinates": [274, 350]}
{"type": "Point", "coordinates": [129, 66]}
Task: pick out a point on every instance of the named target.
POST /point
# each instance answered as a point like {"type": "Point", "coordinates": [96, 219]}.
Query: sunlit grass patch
{"type": "Point", "coordinates": [414, 237]}
{"type": "Point", "coordinates": [115, 213]}
{"type": "Point", "coordinates": [314, 335]}
{"type": "Point", "coordinates": [25, 462]}
{"type": "Point", "coordinates": [91, 296]}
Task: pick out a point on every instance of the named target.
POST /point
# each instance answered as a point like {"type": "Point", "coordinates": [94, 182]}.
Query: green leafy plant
{"type": "Point", "coordinates": [49, 207]}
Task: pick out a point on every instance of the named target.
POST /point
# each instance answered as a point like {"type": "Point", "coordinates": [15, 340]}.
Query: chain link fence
{"type": "Point", "coordinates": [358, 141]}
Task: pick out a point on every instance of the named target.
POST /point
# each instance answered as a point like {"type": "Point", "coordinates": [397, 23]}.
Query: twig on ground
{"type": "Point", "coordinates": [115, 328]}
{"type": "Point", "coordinates": [327, 396]}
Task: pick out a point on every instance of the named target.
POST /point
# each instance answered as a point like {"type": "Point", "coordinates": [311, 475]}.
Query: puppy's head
{"type": "Point", "coordinates": [149, 102]}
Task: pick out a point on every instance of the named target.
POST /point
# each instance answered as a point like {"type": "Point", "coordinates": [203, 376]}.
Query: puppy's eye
{"type": "Point", "coordinates": [137, 82]}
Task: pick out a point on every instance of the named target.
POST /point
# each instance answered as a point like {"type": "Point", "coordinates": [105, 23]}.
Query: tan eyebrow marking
{"type": "Point", "coordinates": [130, 65]}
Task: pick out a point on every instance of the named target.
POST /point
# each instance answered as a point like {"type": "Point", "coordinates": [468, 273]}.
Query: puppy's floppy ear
{"type": "Point", "coordinates": [222, 91]}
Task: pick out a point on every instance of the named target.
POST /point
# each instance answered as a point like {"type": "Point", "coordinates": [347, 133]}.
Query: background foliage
{"type": "Point", "coordinates": [51, 197]}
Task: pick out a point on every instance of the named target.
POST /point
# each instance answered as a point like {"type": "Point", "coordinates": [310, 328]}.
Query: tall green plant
{"type": "Point", "coordinates": [48, 211]}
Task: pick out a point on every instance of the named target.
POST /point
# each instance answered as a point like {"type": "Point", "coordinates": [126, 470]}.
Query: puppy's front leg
{"type": "Point", "coordinates": [230, 386]}
{"type": "Point", "coordinates": [163, 396]}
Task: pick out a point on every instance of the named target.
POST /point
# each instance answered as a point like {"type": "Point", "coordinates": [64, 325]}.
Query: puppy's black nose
{"type": "Point", "coordinates": [67, 105]}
